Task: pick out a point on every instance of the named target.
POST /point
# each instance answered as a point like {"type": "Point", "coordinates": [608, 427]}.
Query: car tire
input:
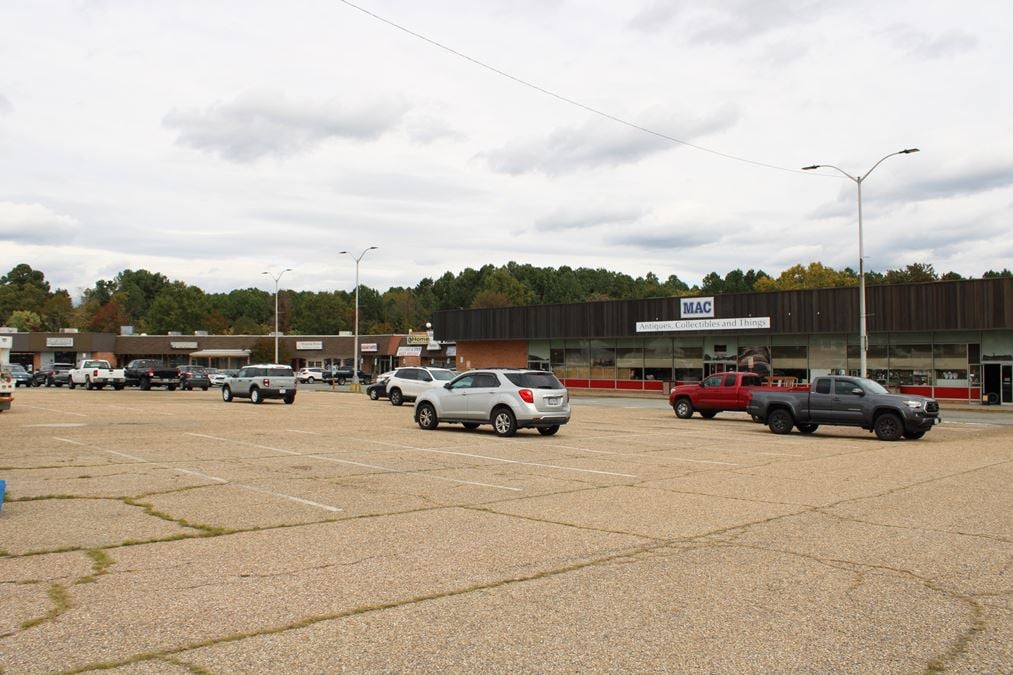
{"type": "Point", "coordinates": [145, 384]}
{"type": "Point", "coordinates": [548, 431]}
{"type": "Point", "coordinates": [88, 384]}
{"type": "Point", "coordinates": [396, 397]}
{"type": "Point", "coordinates": [504, 423]}
{"type": "Point", "coordinates": [290, 398]}
{"type": "Point", "coordinates": [426, 417]}
{"type": "Point", "coordinates": [227, 394]}
{"type": "Point", "coordinates": [341, 381]}
{"type": "Point", "coordinates": [913, 435]}
{"type": "Point", "coordinates": [118, 387]}
{"type": "Point", "coordinates": [204, 388]}
{"type": "Point", "coordinates": [374, 395]}
{"type": "Point", "coordinates": [171, 387]}
{"type": "Point", "coordinates": [888, 427]}
{"type": "Point", "coordinates": [807, 428]}
{"type": "Point", "coordinates": [683, 408]}
{"type": "Point", "coordinates": [310, 380]}
{"type": "Point", "coordinates": [708, 414]}
{"type": "Point", "coordinates": [72, 384]}
{"type": "Point", "coordinates": [780, 421]}
{"type": "Point", "coordinates": [470, 426]}
{"type": "Point", "coordinates": [256, 397]}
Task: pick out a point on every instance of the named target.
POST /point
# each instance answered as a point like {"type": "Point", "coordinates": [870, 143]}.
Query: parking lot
{"type": "Point", "coordinates": [171, 532]}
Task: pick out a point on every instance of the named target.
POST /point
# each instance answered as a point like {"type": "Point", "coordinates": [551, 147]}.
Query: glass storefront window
{"type": "Point", "coordinates": [755, 360]}
{"type": "Point", "coordinates": [687, 361]}
{"type": "Point", "coordinates": [877, 361]}
{"type": "Point", "coordinates": [910, 364]}
{"type": "Point", "coordinates": [790, 361]}
{"type": "Point", "coordinates": [603, 360]}
{"type": "Point", "coordinates": [538, 355]}
{"type": "Point", "coordinates": [658, 359]}
{"type": "Point", "coordinates": [630, 360]}
{"type": "Point", "coordinates": [576, 359]}
{"type": "Point", "coordinates": [557, 359]}
{"type": "Point", "coordinates": [828, 355]}
{"type": "Point", "coordinates": [950, 365]}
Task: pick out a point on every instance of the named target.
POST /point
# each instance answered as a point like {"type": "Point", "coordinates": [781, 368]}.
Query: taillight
{"type": "Point", "coordinates": [267, 382]}
{"type": "Point", "coordinates": [151, 373]}
{"type": "Point", "coordinates": [527, 395]}
{"type": "Point", "coordinates": [95, 373]}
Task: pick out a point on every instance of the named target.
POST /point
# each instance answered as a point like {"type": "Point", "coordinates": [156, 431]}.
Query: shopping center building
{"type": "Point", "coordinates": [948, 339]}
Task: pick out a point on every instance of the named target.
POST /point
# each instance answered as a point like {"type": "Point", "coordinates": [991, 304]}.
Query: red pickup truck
{"type": "Point", "coordinates": [717, 393]}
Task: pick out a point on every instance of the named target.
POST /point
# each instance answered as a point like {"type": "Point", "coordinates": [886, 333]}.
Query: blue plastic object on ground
{"type": "Point", "coordinates": [3, 489]}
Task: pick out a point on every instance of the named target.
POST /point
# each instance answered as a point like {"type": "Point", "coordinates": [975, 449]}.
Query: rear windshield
{"type": "Point", "coordinates": [535, 380]}
{"type": "Point", "coordinates": [442, 374]}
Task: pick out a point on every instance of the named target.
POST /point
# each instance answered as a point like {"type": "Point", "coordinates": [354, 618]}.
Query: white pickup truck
{"type": "Point", "coordinates": [95, 374]}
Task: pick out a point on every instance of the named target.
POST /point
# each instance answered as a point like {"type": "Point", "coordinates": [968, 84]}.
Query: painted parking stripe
{"type": "Point", "coordinates": [647, 455]}
{"type": "Point", "coordinates": [62, 412]}
{"type": "Point", "coordinates": [517, 461]}
{"type": "Point", "coordinates": [215, 479]}
{"type": "Point", "coordinates": [386, 469]}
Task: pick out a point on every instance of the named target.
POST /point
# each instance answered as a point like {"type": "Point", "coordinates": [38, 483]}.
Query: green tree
{"type": "Point", "coordinates": [993, 274]}
{"type": "Point", "coordinates": [177, 307]}
{"type": "Point", "coordinates": [24, 320]}
{"type": "Point", "coordinates": [23, 288]}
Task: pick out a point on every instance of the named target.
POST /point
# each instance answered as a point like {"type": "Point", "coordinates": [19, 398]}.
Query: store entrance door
{"type": "Point", "coordinates": [998, 382]}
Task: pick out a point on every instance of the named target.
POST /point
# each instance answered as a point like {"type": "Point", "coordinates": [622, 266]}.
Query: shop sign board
{"type": "Point", "coordinates": [740, 323]}
{"type": "Point", "coordinates": [307, 345]}
{"type": "Point", "coordinates": [59, 342]}
{"type": "Point", "coordinates": [183, 344]}
{"type": "Point", "coordinates": [418, 339]}
{"type": "Point", "coordinates": [368, 347]}
{"type": "Point", "coordinates": [409, 351]}
{"type": "Point", "coordinates": [696, 308]}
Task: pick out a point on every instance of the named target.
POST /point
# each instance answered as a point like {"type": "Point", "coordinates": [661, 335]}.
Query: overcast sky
{"type": "Point", "coordinates": [211, 141]}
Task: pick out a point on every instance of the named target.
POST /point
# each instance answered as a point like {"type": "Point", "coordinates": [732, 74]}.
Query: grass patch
{"type": "Point", "coordinates": [100, 563]}
{"type": "Point", "coordinates": [61, 603]}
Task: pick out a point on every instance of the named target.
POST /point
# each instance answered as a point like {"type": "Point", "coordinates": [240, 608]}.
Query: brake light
{"type": "Point", "coordinates": [527, 395]}
{"type": "Point", "coordinates": [267, 382]}
{"type": "Point", "coordinates": [95, 372]}
{"type": "Point", "coordinates": [151, 373]}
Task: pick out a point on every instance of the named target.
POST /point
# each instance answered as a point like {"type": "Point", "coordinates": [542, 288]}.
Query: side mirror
{"type": "Point", "coordinates": [446, 385]}
{"type": "Point", "coordinates": [858, 391]}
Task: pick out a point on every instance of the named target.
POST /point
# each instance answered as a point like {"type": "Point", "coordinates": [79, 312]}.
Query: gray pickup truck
{"type": "Point", "coordinates": [845, 401]}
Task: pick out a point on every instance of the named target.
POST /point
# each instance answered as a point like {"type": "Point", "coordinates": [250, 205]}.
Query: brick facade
{"type": "Point", "coordinates": [492, 354]}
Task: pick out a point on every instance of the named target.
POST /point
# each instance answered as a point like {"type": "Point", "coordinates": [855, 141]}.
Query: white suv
{"type": "Point", "coordinates": [507, 398]}
{"type": "Point", "coordinates": [259, 382]}
{"type": "Point", "coordinates": [407, 383]}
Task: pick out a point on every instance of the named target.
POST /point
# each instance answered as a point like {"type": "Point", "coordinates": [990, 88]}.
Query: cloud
{"type": "Point", "coordinates": [960, 182]}
{"type": "Point", "coordinates": [423, 129]}
{"type": "Point", "coordinates": [257, 125]}
{"type": "Point", "coordinates": [599, 142]}
{"type": "Point", "coordinates": [5, 105]}
{"type": "Point", "coordinates": [582, 218]}
{"type": "Point", "coordinates": [35, 224]}
{"type": "Point", "coordinates": [727, 21]}
{"type": "Point", "coordinates": [921, 45]}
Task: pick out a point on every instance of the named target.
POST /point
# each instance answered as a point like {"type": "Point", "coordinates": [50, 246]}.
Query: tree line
{"type": "Point", "coordinates": [152, 303]}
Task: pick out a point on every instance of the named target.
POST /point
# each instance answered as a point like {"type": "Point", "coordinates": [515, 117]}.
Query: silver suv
{"type": "Point", "coordinates": [406, 384]}
{"type": "Point", "coordinates": [507, 398]}
{"type": "Point", "coordinates": [259, 382]}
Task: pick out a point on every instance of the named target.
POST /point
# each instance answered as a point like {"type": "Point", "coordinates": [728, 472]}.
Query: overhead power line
{"type": "Point", "coordinates": [565, 99]}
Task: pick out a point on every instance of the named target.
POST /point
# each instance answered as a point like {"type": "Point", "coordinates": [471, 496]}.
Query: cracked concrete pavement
{"type": "Point", "coordinates": [171, 532]}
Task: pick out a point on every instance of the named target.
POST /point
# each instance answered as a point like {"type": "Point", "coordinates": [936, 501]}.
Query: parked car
{"type": "Point", "coordinates": [378, 389]}
{"type": "Point", "coordinates": [56, 375]}
{"type": "Point", "coordinates": [21, 377]}
{"type": "Point", "coordinates": [509, 399]}
{"type": "Point", "coordinates": [311, 375]}
{"type": "Point", "coordinates": [343, 374]}
{"type": "Point", "coordinates": [408, 382]}
{"type": "Point", "coordinates": [217, 377]}
{"type": "Point", "coordinates": [261, 381]}
{"type": "Point", "coordinates": [6, 388]}
{"type": "Point", "coordinates": [717, 393]}
{"type": "Point", "coordinates": [846, 401]}
{"type": "Point", "coordinates": [193, 377]}
{"type": "Point", "coordinates": [148, 373]}
{"type": "Point", "coordinates": [96, 374]}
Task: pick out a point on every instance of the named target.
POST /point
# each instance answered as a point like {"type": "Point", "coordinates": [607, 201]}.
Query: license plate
{"type": "Point", "coordinates": [281, 391]}
{"type": "Point", "coordinates": [554, 400]}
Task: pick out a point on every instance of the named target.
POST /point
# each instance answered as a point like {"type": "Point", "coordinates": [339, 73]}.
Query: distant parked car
{"type": "Point", "coordinates": [217, 377]}
{"type": "Point", "coordinates": [507, 398]}
{"type": "Point", "coordinates": [193, 377]}
{"type": "Point", "coordinates": [409, 382]}
{"type": "Point", "coordinates": [378, 389]}
{"type": "Point", "coordinates": [57, 375]}
{"type": "Point", "coordinates": [261, 381]}
{"type": "Point", "coordinates": [311, 375]}
{"type": "Point", "coordinates": [22, 378]}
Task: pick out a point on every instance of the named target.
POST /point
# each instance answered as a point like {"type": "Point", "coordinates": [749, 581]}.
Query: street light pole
{"type": "Point", "coordinates": [276, 280]}
{"type": "Point", "coordinates": [863, 337]}
{"type": "Point", "coordinates": [355, 347]}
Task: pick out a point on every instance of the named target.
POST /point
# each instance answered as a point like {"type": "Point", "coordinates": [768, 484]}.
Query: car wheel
{"type": "Point", "coordinates": [395, 397]}
{"type": "Point", "coordinates": [118, 387]}
{"type": "Point", "coordinates": [708, 414]}
{"type": "Point", "coordinates": [888, 427]}
{"type": "Point", "coordinates": [470, 426]}
{"type": "Point", "coordinates": [72, 384]}
{"type": "Point", "coordinates": [204, 388]}
{"type": "Point", "coordinates": [683, 409]}
{"type": "Point", "coordinates": [548, 431]}
{"type": "Point", "coordinates": [807, 428]}
{"type": "Point", "coordinates": [504, 422]}
{"type": "Point", "coordinates": [290, 398]}
{"type": "Point", "coordinates": [374, 395]}
{"type": "Point", "coordinates": [227, 394]}
{"type": "Point", "coordinates": [145, 384]}
{"type": "Point", "coordinates": [310, 380]}
{"type": "Point", "coordinates": [780, 421]}
{"type": "Point", "coordinates": [171, 387]}
{"type": "Point", "coordinates": [255, 396]}
{"type": "Point", "coordinates": [913, 435]}
{"type": "Point", "coordinates": [87, 384]}
{"type": "Point", "coordinates": [341, 381]}
{"type": "Point", "coordinates": [426, 417]}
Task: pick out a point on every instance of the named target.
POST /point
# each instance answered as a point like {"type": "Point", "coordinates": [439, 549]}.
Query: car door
{"type": "Point", "coordinates": [849, 402]}
{"type": "Point", "coordinates": [707, 397]}
{"type": "Point", "coordinates": [823, 401]}
{"type": "Point", "coordinates": [482, 396]}
{"type": "Point", "coordinates": [454, 398]}
{"type": "Point", "coordinates": [423, 380]}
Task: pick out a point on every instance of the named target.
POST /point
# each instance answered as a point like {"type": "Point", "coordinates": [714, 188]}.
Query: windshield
{"type": "Point", "coordinates": [442, 375]}
{"type": "Point", "coordinates": [535, 380]}
{"type": "Point", "coordinates": [871, 386]}
{"type": "Point", "coordinates": [15, 368]}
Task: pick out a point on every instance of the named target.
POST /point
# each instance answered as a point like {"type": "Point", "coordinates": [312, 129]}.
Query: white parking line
{"type": "Point", "coordinates": [62, 412]}
{"type": "Point", "coordinates": [647, 455]}
{"type": "Point", "coordinates": [516, 461]}
{"type": "Point", "coordinates": [141, 410]}
{"type": "Point", "coordinates": [325, 458]}
{"type": "Point", "coordinates": [216, 479]}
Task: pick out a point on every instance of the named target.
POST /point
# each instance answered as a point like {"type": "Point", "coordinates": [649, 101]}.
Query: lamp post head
{"type": "Point", "coordinates": [908, 151]}
{"type": "Point", "coordinates": [810, 168]}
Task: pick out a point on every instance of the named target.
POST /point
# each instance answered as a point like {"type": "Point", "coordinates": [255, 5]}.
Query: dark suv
{"type": "Point", "coordinates": [57, 374]}
{"type": "Point", "coordinates": [193, 377]}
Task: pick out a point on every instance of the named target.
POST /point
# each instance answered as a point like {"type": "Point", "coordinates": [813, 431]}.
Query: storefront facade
{"type": "Point", "coordinates": [951, 340]}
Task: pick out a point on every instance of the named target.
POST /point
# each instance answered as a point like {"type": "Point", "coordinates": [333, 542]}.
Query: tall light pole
{"type": "Point", "coordinates": [863, 337]}
{"type": "Point", "coordinates": [355, 347]}
{"type": "Point", "coordinates": [276, 280]}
